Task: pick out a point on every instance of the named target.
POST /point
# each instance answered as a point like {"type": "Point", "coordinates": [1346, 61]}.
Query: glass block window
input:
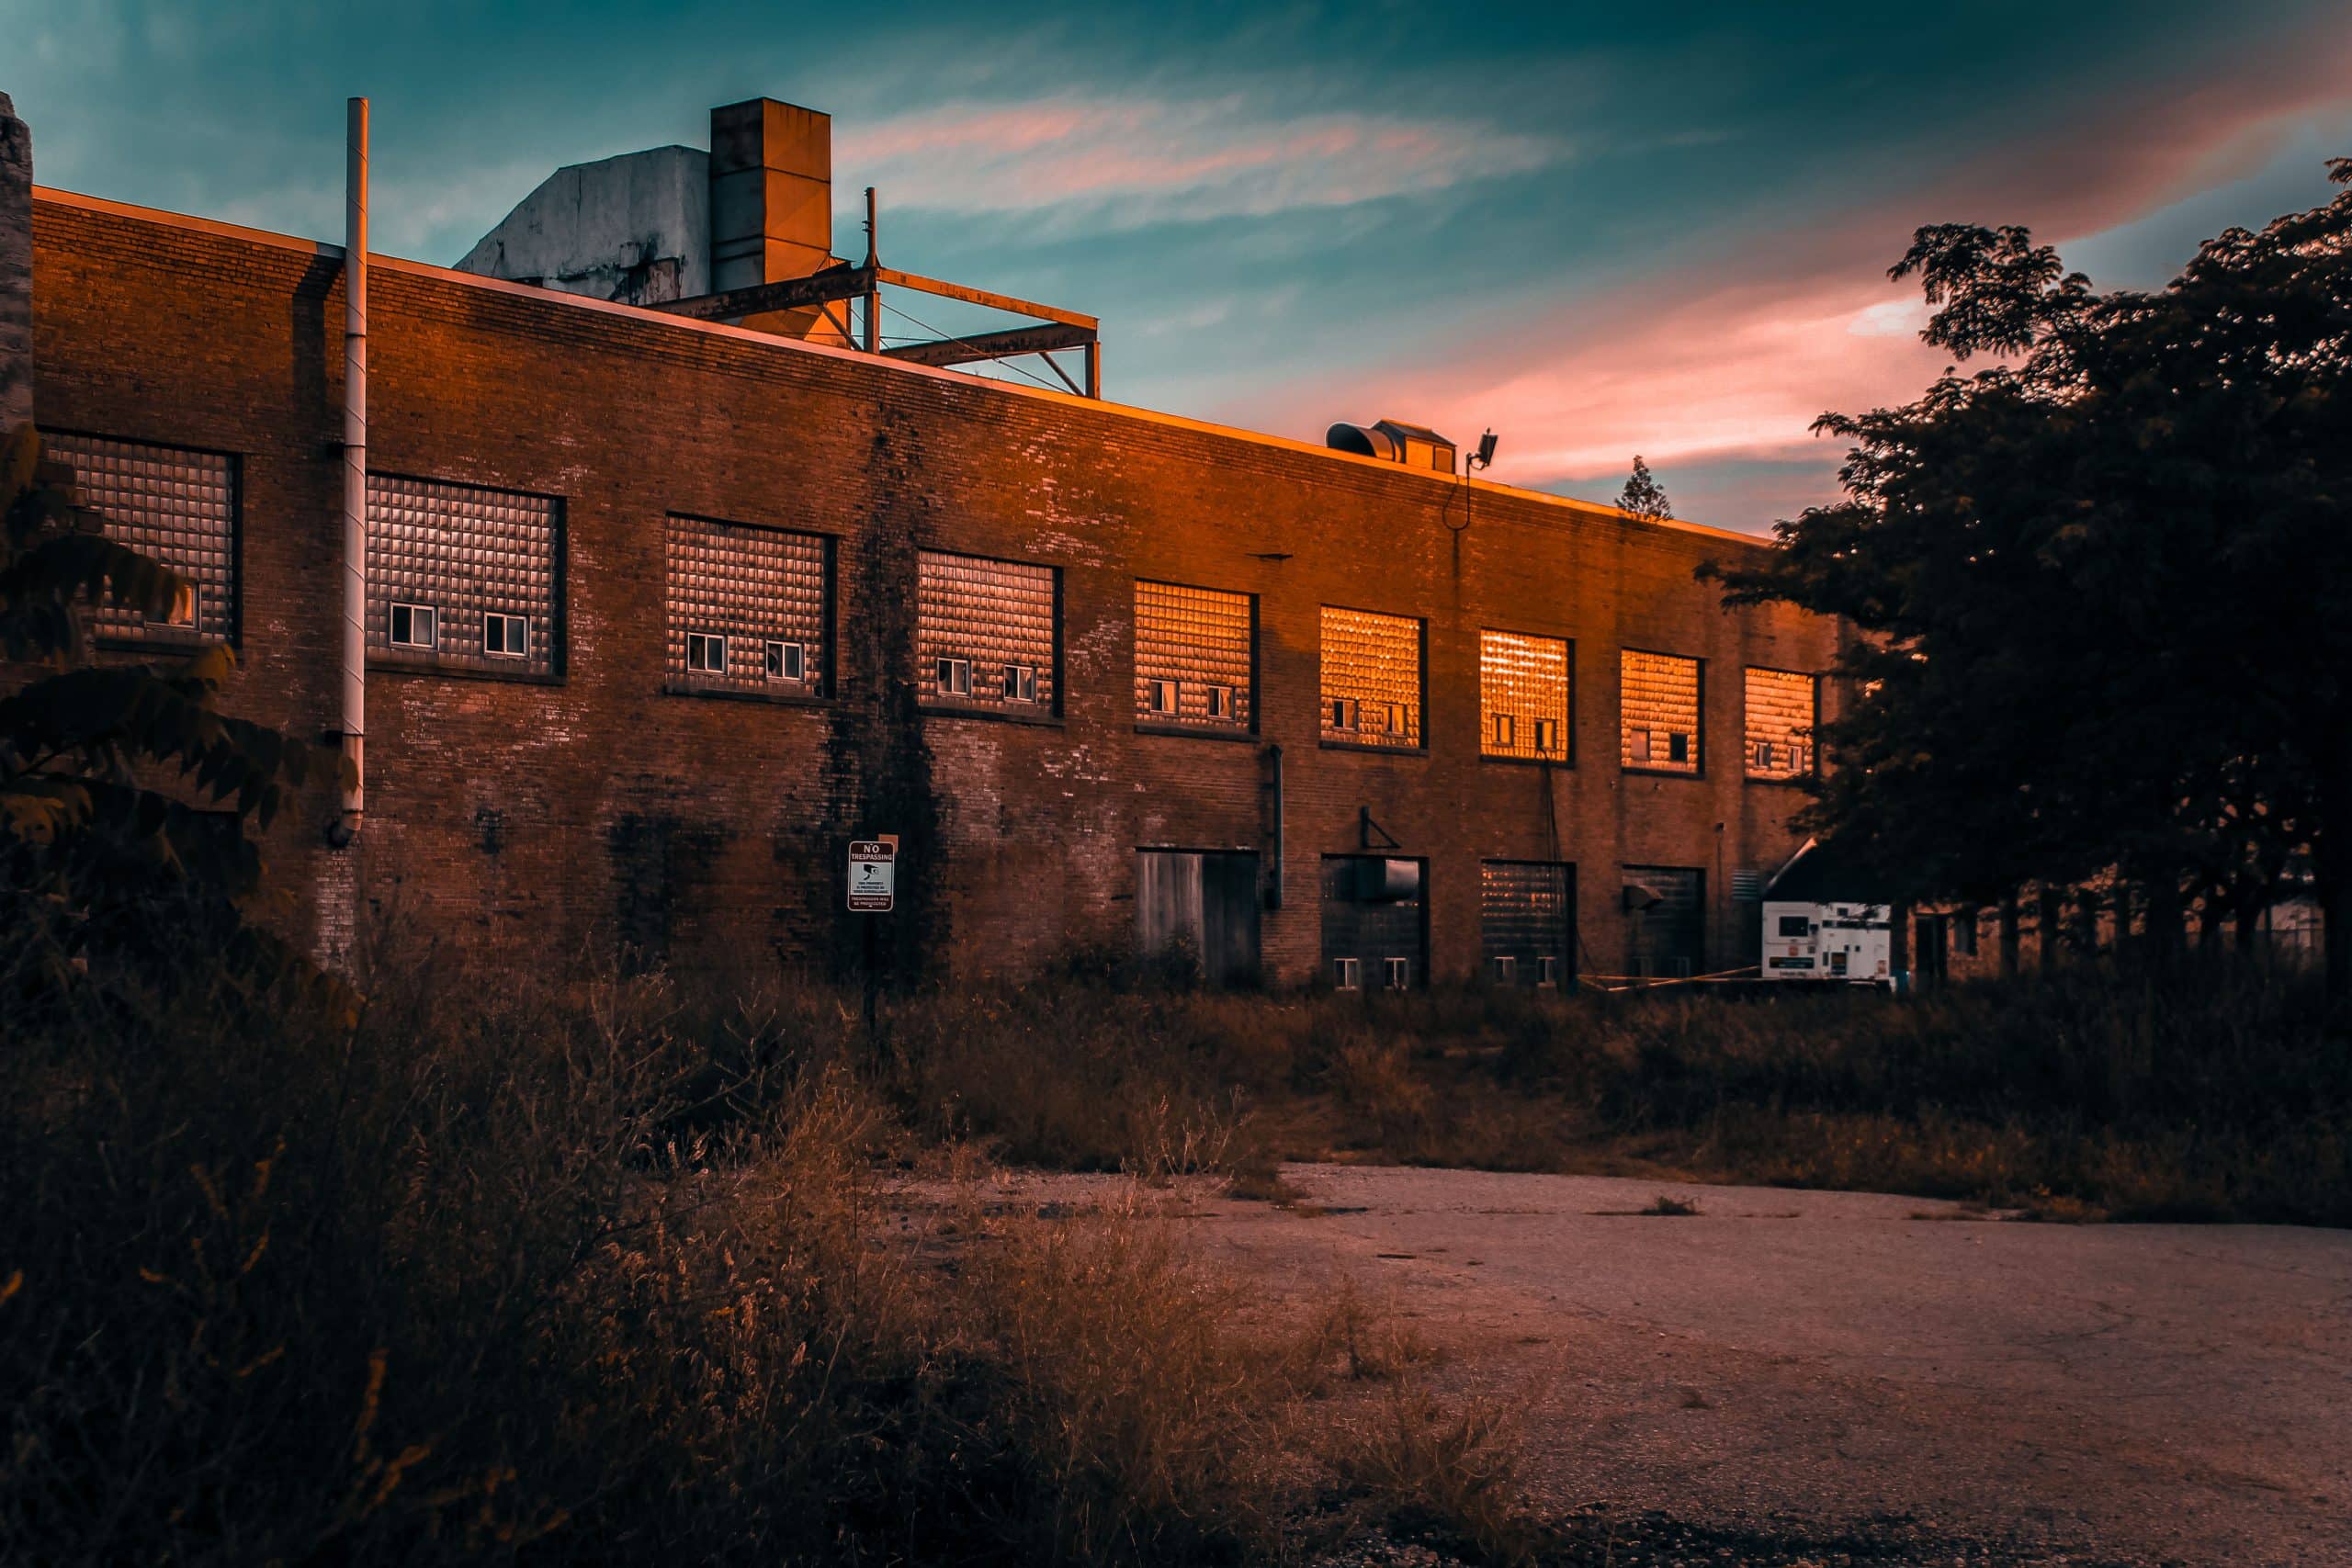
{"type": "Point", "coordinates": [1524, 696]}
{"type": "Point", "coordinates": [482, 561]}
{"type": "Point", "coordinates": [1780, 708]}
{"type": "Point", "coordinates": [987, 638]}
{"type": "Point", "coordinates": [1193, 654]}
{"type": "Point", "coordinates": [745, 608]}
{"type": "Point", "coordinates": [1371, 678]}
{"type": "Point", "coordinates": [177, 505]}
{"type": "Point", "coordinates": [1660, 699]}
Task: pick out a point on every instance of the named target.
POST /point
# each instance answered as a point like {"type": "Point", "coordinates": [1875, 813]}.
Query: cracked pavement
{"type": "Point", "coordinates": [1800, 1362]}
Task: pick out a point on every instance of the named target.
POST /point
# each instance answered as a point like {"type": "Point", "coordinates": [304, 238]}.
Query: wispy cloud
{"type": "Point", "coordinates": [1128, 162]}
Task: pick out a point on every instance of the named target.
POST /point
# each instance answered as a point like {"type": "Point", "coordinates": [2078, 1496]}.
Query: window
{"type": "Point", "coordinates": [784, 661]}
{"type": "Point", "coordinates": [1347, 974]}
{"type": "Point", "coordinates": [1661, 698]}
{"type": "Point", "coordinates": [1547, 973]}
{"type": "Point", "coordinates": [1963, 933]}
{"type": "Point", "coordinates": [1793, 926]}
{"type": "Point", "coordinates": [509, 637]}
{"type": "Point", "coordinates": [488, 561]}
{"type": "Point", "coordinates": [414, 626]}
{"type": "Point", "coordinates": [183, 613]}
{"type": "Point", "coordinates": [1780, 714]}
{"type": "Point", "coordinates": [1371, 678]}
{"type": "Point", "coordinates": [174, 503]}
{"type": "Point", "coordinates": [1506, 971]}
{"type": "Point", "coordinates": [1523, 691]}
{"type": "Point", "coordinates": [1196, 656]}
{"type": "Point", "coordinates": [1396, 973]}
{"type": "Point", "coordinates": [749, 586]}
{"type": "Point", "coordinates": [1003, 616]}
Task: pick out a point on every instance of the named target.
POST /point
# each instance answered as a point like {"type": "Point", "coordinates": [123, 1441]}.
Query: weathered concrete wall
{"type": "Point", "coordinates": [717, 826]}
{"type": "Point", "coordinates": [634, 229]}
{"type": "Point", "coordinates": [16, 268]}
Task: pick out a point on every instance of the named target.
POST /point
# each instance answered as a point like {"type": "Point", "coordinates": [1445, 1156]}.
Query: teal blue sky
{"type": "Point", "coordinates": [1660, 229]}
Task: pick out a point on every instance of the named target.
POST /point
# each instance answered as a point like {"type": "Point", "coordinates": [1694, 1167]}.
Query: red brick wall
{"type": "Point", "coordinates": [525, 822]}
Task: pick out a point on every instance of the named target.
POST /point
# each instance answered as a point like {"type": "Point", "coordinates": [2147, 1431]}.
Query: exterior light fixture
{"type": "Point", "coordinates": [1485, 453]}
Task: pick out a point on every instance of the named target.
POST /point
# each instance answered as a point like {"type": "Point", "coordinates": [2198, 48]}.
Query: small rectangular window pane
{"type": "Point", "coordinates": [413, 626]}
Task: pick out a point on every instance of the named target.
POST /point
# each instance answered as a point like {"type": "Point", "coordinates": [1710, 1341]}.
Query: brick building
{"type": "Point", "coordinates": [663, 613]}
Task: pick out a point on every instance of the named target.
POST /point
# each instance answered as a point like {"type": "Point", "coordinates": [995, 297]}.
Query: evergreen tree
{"type": "Point", "coordinates": [1644, 496]}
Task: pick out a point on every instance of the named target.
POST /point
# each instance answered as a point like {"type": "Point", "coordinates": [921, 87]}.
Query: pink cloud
{"type": "Point", "coordinates": [1733, 357]}
{"type": "Point", "coordinates": [1132, 162]}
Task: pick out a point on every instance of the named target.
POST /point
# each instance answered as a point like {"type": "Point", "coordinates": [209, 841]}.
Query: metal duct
{"type": "Point", "coordinates": [354, 475]}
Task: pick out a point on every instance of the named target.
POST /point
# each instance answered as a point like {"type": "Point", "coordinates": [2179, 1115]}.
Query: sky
{"type": "Point", "coordinates": [1600, 231]}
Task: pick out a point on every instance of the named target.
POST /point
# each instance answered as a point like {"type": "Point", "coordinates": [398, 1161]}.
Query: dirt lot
{"type": "Point", "coordinates": [1805, 1376]}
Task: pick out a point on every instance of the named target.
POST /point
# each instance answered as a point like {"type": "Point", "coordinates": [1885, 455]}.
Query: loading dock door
{"type": "Point", "coordinates": [1204, 899]}
{"type": "Point", "coordinates": [1373, 914]}
{"type": "Point", "coordinates": [1666, 920]}
{"type": "Point", "coordinates": [1526, 912]}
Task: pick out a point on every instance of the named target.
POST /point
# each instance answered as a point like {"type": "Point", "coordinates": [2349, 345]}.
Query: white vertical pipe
{"type": "Point", "coordinates": [354, 470]}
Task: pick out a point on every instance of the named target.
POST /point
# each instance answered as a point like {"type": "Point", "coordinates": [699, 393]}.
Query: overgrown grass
{"type": "Point", "coordinates": [587, 1274]}
{"type": "Point", "coordinates": [2214, 1093]}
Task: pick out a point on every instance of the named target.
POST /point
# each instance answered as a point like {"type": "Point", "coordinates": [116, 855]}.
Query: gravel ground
{"type": "Point", "coordinates": [1829, 1377]}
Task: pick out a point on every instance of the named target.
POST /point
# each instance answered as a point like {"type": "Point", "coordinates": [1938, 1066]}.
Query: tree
{"type": "Point", "coordinates": [124, 793]}
{"type": "Point", "coordinates": [1644, 496]}
{"type": "Point", "coordinates": [2107, 584]}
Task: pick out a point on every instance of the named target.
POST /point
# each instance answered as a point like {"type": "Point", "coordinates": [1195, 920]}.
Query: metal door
{"type": "Point", "coordinates": [1205, 900]}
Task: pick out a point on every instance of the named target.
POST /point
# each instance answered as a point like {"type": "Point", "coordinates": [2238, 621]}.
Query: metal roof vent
{"type": "Point", "coordinates": [1415, 446]}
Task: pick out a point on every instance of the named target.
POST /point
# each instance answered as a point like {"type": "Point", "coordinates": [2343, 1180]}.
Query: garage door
{"type": "Point", "coordinates": [1666, 917]}
{"type": "Point", "coordinates": [1526, 914]}
{"type": "Point", "coordinates": [1374, 936]}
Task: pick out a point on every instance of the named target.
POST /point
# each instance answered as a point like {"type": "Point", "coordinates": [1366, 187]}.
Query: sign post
{"type": "Point", "coordinates": [872, 890]}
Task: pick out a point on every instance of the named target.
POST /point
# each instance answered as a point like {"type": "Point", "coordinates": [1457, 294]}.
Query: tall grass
{"type": "Point", "coordinates": [586, 1273]}
{"type": "Point", "coordinates": [2215, 1092]}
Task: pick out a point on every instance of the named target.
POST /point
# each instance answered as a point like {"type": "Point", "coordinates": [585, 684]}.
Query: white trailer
{"type": "Point", "coordinates": [1842, 943]}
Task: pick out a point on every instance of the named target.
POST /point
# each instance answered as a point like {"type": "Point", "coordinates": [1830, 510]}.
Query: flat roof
{"type": "Point", "coordinates": [899, 366]}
